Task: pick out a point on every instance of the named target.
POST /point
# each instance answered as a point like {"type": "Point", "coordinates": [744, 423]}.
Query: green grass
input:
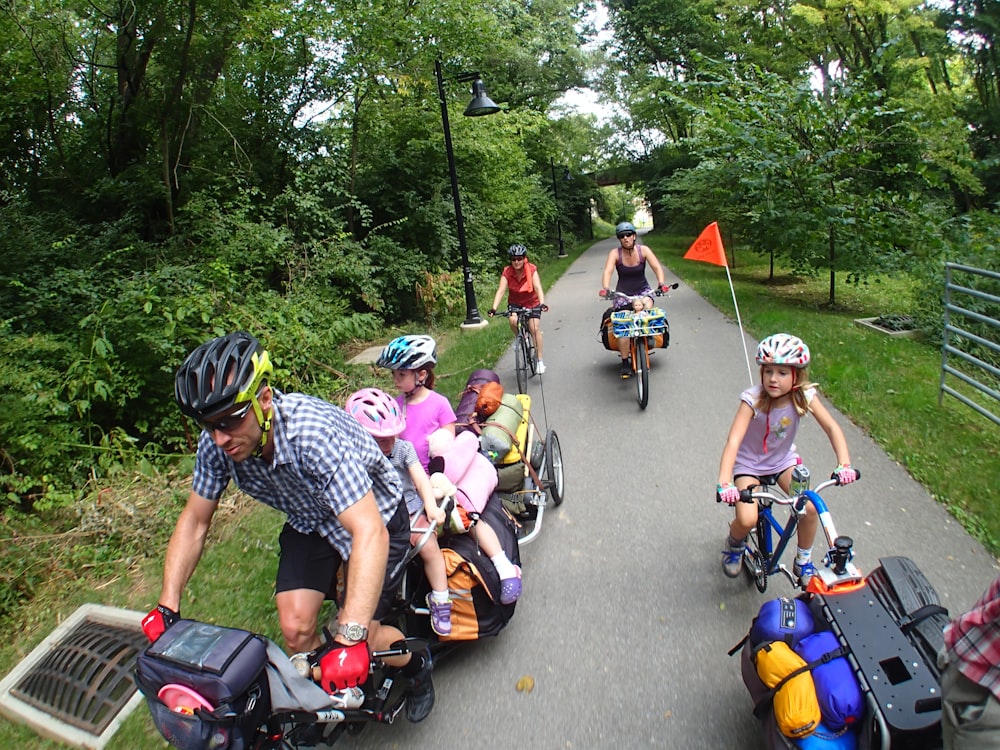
{"type": "Point", "coordinates": [887, 386]}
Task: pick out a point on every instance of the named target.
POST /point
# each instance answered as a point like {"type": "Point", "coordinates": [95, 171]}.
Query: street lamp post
{"type": "Point", "coordinates": [555, 195]}
{"type": "Point", "coordinates": [480, 105]}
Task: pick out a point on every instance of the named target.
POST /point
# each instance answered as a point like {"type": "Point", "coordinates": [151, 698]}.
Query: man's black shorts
{"type": "Point", "coordinates": [307, 561]}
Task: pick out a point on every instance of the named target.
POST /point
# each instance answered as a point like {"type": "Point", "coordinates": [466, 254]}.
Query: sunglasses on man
{"type": "Point", "coordinates": [623, 235]}
{"type": "Point", "coordinates": [230, 422]}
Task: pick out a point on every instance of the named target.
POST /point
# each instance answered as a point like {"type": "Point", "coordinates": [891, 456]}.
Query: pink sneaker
{"type": "Point", "coordinates": [440, 616]}
{"type": "Point", "coordinates": [510, 588]}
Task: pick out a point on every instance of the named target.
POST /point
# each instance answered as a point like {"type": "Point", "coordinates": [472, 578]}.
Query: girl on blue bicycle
{"type": "Point", "coordinates": [760, 448]}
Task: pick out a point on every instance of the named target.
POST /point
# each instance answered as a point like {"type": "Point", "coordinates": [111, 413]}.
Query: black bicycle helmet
{"type": "Point", "coordinates": [625, 226]}
{"type": "Point", "coordinates": [517, 251]}
{"type": "Point", "coordinates": [221, 373]}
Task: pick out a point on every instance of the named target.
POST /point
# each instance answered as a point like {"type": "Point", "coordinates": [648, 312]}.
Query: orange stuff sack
{"type": "Point", "coordinates": [490, 396]}
{"type": "Point", "coordinates": [796, 708]}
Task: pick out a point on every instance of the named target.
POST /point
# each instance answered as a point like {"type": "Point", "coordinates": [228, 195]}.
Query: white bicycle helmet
{"type": "Point", "coordinates": [783, 349]}
{"type": "Point", "coordinates": [377, 411]}
{"type": "Point", "coordinates": [409, 353]}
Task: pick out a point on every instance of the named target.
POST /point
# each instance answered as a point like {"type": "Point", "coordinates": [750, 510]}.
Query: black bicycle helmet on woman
{"type": "Point", "coordinates": [409, 353]}
{"type": "Point", "coordinates": [517, 251]}
{"type": "Point", "coordinates": [220, 374]}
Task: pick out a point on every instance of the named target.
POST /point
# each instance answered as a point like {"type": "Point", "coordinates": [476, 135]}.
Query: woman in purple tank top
{"type": "Point", "coordinates": [629, 259]}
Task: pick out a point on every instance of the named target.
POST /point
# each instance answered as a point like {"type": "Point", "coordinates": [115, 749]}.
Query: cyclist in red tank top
{"type": "Point", "coordinates": [520, 282]}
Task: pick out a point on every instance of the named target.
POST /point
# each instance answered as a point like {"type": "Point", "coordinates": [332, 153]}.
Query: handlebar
{"type": "Point", "coordinates": [517, 310]}
{"type": "Point", "coordinates": [615, 294]}
{"type": "Point", "coordinates": [752, 493]}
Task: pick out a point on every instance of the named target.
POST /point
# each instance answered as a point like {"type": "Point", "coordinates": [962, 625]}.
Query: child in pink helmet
{"type": "Point", "coordinates": [760, 447]}
{"type": "Point", "coordinates": [380, 414]}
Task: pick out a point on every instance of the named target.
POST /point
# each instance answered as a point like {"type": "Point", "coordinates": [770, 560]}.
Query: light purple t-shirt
{"type": "Point", "coordinates": [769, 444]}
{"type": "Point", "coordinates": [422, 419]}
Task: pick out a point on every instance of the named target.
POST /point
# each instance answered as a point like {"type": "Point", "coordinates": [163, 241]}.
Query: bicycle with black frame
{"type": "Point", "coordinates": [525, 353]}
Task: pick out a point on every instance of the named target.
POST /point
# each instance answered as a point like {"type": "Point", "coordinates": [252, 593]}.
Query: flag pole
{"type": "Point", "coordinates": [739, 322]}
{"type": "Point", "coordinates": [708, 248]}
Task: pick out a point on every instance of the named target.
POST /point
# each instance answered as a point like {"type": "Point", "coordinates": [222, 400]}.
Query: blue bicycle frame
{"type": "Point", "coordinates": [768, 541]}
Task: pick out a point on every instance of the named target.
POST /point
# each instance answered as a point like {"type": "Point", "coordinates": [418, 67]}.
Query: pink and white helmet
{"type": "Point", "coordinates": [377, 411]}
{"type": "Point", "coordinates": [783, 349]}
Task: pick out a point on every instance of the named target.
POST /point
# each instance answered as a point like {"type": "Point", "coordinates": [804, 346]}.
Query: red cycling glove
{"type": "Point", "coordinates": [158, 620]}
{"type": "Point", "coordinates": [603, 293]}
{"type": "Point", "coordinates": [344, 666]}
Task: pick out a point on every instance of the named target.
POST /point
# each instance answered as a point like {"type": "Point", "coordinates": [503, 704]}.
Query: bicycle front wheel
{"type": "Point", "coordinates": [641, 364]}
{"type": "Point", "coordinates": [521, 363]}
{"type": "Point", "coordinates": [532, 356]}
{"type": "Point", "coordinates": [755, 557]}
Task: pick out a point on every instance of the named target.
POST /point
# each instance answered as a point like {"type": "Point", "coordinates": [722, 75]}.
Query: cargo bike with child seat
{"type": "Point", "coordinates": [645, 329]}
{"type": "Point", "coordinates": [850, 663]}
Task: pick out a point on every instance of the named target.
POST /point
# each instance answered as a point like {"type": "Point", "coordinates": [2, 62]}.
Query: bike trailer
{"type": "Point", "coordinates": [206, 686]}
{"type": "Point", "coordinates": [874, 664]}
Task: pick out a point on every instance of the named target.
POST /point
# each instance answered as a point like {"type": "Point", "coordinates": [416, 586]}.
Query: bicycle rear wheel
{"type": "Point", "coordinates": [521, 363]}
{"type": "Point", "coordinates": [755, 557]}
{"type": "Point", "coordinates": [554, 480]}
{"type": "Point", "coordinates": [641, 364]}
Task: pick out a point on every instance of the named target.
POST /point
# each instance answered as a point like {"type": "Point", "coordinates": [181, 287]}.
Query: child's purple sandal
{"type": "Point", "coordinates": [510, 588]}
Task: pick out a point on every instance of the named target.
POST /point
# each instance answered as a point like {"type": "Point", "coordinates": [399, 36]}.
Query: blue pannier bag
{"type": "Point", "coordinates": [837, 688]}
{"type": "Point", "coordinates": [783, 619]}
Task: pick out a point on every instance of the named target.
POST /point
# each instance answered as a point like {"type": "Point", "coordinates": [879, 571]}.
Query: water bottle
{"type": "Point", "coordinates": [800, 478]}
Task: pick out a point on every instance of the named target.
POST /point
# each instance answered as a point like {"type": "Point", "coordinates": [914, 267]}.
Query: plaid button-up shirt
{"type": "Point", "coordinates": [973, 641]}
{"type": "Point", "coordinates": [324, 462]}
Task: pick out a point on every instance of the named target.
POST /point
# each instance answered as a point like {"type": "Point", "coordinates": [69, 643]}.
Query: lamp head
{"type": "Point", "coordinates": [481, 103]}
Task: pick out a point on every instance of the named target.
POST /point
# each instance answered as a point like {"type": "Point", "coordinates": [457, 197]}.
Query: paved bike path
{"type": "Point", "coordinates": [626, 617]}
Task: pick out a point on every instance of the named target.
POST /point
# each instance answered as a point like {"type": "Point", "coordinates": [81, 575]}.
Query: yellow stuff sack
{"type": "Point", "coordinates": [796, 708]}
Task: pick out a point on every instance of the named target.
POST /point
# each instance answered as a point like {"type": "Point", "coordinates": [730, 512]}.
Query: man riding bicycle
{"type": "Point", "coordinates": [523, 287]}
{"type": "Point", "coordinates": [316, 464]}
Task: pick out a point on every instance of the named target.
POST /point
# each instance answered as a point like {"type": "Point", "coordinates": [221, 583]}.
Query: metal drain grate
{"type": "Point", "coordinates": [87, 679]}
{"type": "Point", "coordinates": [77, 685]}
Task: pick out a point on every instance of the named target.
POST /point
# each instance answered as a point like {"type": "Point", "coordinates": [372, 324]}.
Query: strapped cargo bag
{"type": "Point", "coordinates": [225, 667]}
{"type": "Point", "coordinates": [512, 424]}
{"type": "Point", "coordinates": [473, 582]}
{"type": "Point", "coordinates": [465, 412]}
{"type": "Point", "coordinates": [605, 334]}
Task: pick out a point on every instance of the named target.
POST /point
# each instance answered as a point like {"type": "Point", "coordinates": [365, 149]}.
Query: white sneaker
{"type": "Point", "coordinates": [540, 368]}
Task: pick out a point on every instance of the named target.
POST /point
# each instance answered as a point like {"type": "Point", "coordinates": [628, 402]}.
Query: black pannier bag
{"type": "Point", "coordinates": [225, 667]}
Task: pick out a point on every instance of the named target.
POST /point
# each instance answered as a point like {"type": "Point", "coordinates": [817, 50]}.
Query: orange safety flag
{"type": "Point", "coordinates": [708, 247]}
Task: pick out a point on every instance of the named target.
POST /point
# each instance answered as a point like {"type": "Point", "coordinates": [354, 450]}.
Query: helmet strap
{"type": "Point", "coordinates": [264, 422]}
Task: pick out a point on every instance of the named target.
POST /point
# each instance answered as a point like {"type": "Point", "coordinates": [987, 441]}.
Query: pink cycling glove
{"type": "Point", "coordinates": [844, 474]}
{"type": "Point", "coordinates": [727, 493]}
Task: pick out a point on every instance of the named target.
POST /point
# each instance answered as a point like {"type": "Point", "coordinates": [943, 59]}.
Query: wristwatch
{"type": "Point", "coordinates": [353, 631]}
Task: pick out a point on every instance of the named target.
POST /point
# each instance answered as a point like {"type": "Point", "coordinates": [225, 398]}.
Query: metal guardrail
{"type": "Point", "coordinates": [954, 336]}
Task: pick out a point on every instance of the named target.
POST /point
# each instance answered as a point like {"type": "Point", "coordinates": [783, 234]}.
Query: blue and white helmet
{"type": "Point", "coordinates": [409, 353]}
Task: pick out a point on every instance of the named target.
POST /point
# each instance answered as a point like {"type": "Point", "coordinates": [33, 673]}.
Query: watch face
{"type": "Point", "coordinates": [354, 632]}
